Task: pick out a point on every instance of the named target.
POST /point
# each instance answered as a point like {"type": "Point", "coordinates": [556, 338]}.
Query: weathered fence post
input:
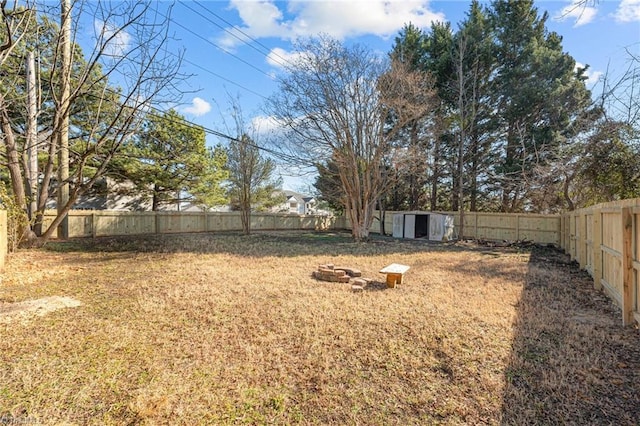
{"type": "Point", "coordinates": [475, 225]}
{"type": "Point", "coordinates": [156, 221]}
{"type": "Point", "coordinates": [627, 265]}
{"type": "Point", "coordinates": [597, 248]}
{"type": "Point", "coordinates": [561, 234]}
{"type": "Point", "coordinates": [572, 236]}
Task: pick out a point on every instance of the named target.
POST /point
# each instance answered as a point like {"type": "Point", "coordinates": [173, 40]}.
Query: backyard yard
{"type": "Point", "coordinates": [228, 329]}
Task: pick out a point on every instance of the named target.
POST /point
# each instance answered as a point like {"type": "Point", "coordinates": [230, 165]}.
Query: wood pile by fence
{"type": "Point", "coordinates": [605, 239]}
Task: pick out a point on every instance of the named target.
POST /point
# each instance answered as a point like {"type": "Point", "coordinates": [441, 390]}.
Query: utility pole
{"type": "Point", "coordinates": [63, 132]}
{"type": "Point", "coordinates": [32, 136]}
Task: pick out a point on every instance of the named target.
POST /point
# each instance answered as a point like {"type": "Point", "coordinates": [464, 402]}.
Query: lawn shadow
{"type": "Point", "coordinates": [376, 286]}
{"type": "Point", "coordinates": [258, 244]}
{"type": "Point", "coordinates": [572, 362]}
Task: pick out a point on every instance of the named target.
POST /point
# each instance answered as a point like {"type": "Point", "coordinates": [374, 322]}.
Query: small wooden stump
{"type": "Point", "coordinates": [394, 272]}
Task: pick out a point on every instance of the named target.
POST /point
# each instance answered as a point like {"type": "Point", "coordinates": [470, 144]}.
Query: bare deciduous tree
{"type": "Point", "coordinates": [13, 28]}
{"type": "Point", "coordinates": [113, 86]}
{"type": "Point", "coordinates": [335, 102]}
{"type": "Point", "coordinates": [251, 174]}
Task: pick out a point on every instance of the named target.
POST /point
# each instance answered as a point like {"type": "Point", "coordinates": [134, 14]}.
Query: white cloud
{"type": "Point", "coordinates": [578, 10]}
{"type": "Point", "coordinates": [116, 41]}
{"type": "Point", "coordinates": [263, 125]}
{"type": "Point", "coordinates": [338, 18]}
{"type": "Point", "coordinates": [628, 11]}
{"type": "Point", "coordinates": [198, 107]}
{"type": "Point", "coordinates": [280, 58]}
{"type": "Point", "coordinates": [592, 76]}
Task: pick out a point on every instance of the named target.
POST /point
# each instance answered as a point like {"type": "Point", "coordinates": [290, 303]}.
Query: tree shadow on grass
{"type": "Point", "coordinates": [259, 244]}
{"type": "Point", "coordinates": [572, 362]}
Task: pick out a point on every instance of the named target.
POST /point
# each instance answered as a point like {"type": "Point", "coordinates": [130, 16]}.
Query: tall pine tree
{"type": "Point", "coordinates": [537, 94]}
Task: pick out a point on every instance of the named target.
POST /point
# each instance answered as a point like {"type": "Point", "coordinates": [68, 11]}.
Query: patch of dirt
{"type": "Point", "coordinates": [23, 311]}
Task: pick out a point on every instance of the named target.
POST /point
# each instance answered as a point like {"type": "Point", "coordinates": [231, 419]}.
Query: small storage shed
{"type": "Point", "coordinates": [433, 226]}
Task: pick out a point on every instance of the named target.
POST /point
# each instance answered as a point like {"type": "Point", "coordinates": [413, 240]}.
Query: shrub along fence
{"type": "Point", "coordinates": [605, 239]}
{"type": "Point", "coordinates": [100, 223]}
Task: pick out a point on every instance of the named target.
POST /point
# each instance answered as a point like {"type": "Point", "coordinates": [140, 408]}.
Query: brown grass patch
{"type": "Point", "coordinates": [224, 329]}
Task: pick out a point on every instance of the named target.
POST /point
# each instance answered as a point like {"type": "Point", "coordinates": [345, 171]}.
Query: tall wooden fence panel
{"type": "Point", "coordinates": [544, 229]}
{"type": "Point", "coordinates": [604, 240]}
{"type": "Point", "coordinates": [89, 223]}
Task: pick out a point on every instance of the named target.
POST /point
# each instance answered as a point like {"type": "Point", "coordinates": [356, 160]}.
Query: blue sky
{"type": "Point", "coordinates": [233, 47]}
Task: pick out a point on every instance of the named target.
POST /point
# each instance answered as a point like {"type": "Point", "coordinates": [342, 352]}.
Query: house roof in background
{"type": "Point", "coordinates": [297, 196]}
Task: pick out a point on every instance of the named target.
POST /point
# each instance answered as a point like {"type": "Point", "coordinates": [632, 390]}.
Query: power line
{"type": "Point", "coordinates": [171, 19]}
{"type": "Point", "coordinates": [266, 52]}
{"type": "Point", "coordinates": [200, 67]}
{"type": "Point", "coordinates": [219, 76]}
{"type": "Point", "coordinates": [223, 28]}
{"type": "Point", "coordinates": [223, 78]}
{"type": "Point", "coordinates": [158, 113]}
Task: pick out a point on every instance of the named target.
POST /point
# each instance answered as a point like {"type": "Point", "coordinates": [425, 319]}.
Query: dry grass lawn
{"type": "Point", "coordinates": [226, 329]}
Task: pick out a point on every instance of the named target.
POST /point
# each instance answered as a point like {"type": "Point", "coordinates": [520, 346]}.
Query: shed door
{"type": "Point", "coordinates": [436, 227]}
{"type": "Point", "coordinates": [409, 226]}
{"type": "Point", "coordinates": [398, 225]}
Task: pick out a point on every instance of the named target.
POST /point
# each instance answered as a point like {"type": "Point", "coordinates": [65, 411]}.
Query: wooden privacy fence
{"type": "Point", "coordinates": [605, 239]}
{"type": "Point", "coordinates": [101, 223]}
{"type": "Point", "coordinates": [543, 229]}
{"type": "Point", "coordinates": [491, 226]}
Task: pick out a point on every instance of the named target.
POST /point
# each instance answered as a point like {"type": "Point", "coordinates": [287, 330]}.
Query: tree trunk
{"type": "Point", "coordinates": [565, 192]}
{"type": "Point", "coordinates": [455, 190]}
{"type": "Point", "coordinates": [245, 207]}
{"type": "Point", "coordinates": [24, 232]}
{"type": "Point", "coordinates": [435, 176]}
{"type": "Point", "coordinates": [361, 219]}
{"type": "Point", "coordinates": [461, 183]}
{"type": "Point", "coordinates": [62, 215]}
{"type": "Point", "coordinates": [31, 165]}
{"type": "Point", "coordinates": [414, 189]}
{"type": "Point", "coordinates": [154, 199]}
{"type": "Point", "coordinates": [245, 216]}
{"type": "Point", "coordinates": [383, 213]}
{"type": "Point", "coordinates": [63, 110]}
{"type": "Point", "coordinates": [507, 178]}
{"type": "Point", "coordinates": [13, 159]}
{"type": "Point", "coordinates": [47, 173]}
{"type": "Point", "coordinates": [473, 173]}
